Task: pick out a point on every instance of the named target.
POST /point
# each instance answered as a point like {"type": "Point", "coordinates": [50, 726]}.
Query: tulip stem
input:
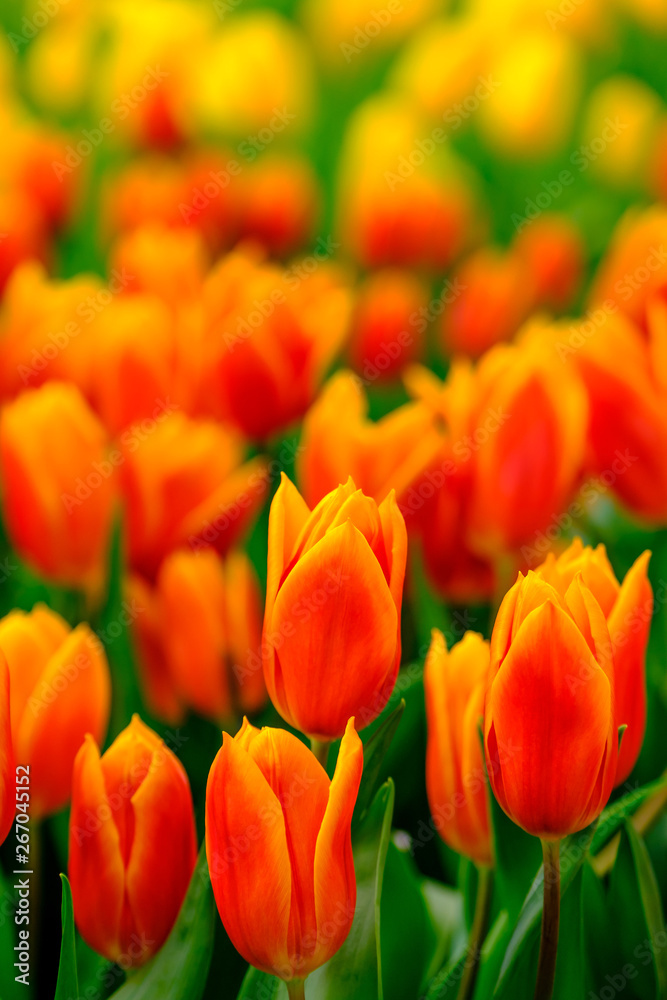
{"type": "Point", "coordinates": [296, 989]}
{"type": "Point", "coordinates": [477, 932]}
{"type": "Point", "coordinates": [321, 750]}
{"type": "Point", "coordinates": [546, 966]}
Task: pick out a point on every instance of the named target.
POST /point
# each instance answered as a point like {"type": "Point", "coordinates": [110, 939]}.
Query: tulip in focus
{"type": "Point", "coordinates": [628, 609]}
{"type": "Point", "coordinates": [454, 685]}
{"type": "Point", "coordinates": [60, 690]}
{"type": "Point", "coordinates": [331, 641]}
{"type": "Point", "coordinates": [288, 900]}
{"type": "Point", "coordinates": [132, 844]}
{"type": "Point", "coordinates": [9, 779]}
{"type": "Point", "coordinates": [388, 323]}
{"type": "Point", "coordinates": [212, 629]}
{"type": "Point", "coordinates": [550, 729]}
{"type": "Point", "coordinates": [58, 484]}
{"type": "Point", "coordinates": [184, 482]}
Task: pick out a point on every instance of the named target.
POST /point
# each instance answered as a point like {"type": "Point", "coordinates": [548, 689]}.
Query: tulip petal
{"type": "Point", "coordinates": [336, 590]}
{"type": "Point", "coordinates": [335, 882]}
{"type": "Point", "coordinates": [248, 858]}
{"type": "Point", "coordinates": [629, 625]}
{"type": "Point", "coordinates": [162, 814]}
{"type": "Point", "coordinates": [7, 774]}
{"type": "Point", "coordinates": [95, 864]}
{"type": "Point", "coordinates": [550, 718]}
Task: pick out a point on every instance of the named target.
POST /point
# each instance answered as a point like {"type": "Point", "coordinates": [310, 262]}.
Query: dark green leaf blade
{"type": "Point", "coordinates": [67, 986]}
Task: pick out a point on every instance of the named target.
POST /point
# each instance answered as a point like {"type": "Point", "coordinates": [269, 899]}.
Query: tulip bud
{"type": "Point", "coordinates": [25, 233]}
{"type": "Point", "coordinates": [552, 250]}
{"type": "Point", "coordinates": [387, 332]}
{"type": "Point", "coordinates": [60, 690]}
{"type": "Point", "coordinates": [211, 630]}
{"type": "Point", "coordinates": [59, 485]}
{"type": "Point", "coordinates": [454, 684]}
{"type": "Point", "coordinates": [184, 484]}
{"type": "Point", "coordinates": [279, 847]}
{"type": "Point", "coordinates": [331, 641]}
{"type": "Point", "coordinates": [169, 263]}
{"type": "Point", "coordinates": [8, 776]}
{"type": "Point", "coordinates": [628, 609]}
{"type": "Point", "coordinates": [280, 204]}
{"type": "Point", "coordinates": [127, 894]}
{"type": "Point", "coordinates": [550, 733]}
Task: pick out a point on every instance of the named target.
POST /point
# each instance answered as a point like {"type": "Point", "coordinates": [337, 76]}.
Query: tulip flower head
{"type": "Point", "coordinates": [628, 609]}
{"type": "Point", "coordinates": [454, 684]}
{"type": "Point", "coordinates": [550, 733]}
{"type": "Point", "coordinates": [60, 690]}
{"type": "Point", "coordinates": [331, 642]}
{"type": "Point", "coordinates": [127, 892]}
{"type": "Point", "coordinates": [287, 900]}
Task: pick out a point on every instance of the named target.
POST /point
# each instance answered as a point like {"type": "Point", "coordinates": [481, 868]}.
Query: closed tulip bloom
{"type": "Point", "coordinates": [132, 844]}
{"type": "Point", "coordinates": [162, 261]}
{"type": "Point", "coordinates": [552, 250]}
{"type": "Point", "coordinates": [628, 608]}
{"type": "Point", "coordinates": [212, 631]}
{"type": "Point", "coordinates": [550, 733]}
{"type": "Point", "coordinates": [157, 686]}
{"type": "Point", "coordinates": [454, 685]}
{"type": "Point", "coordinates": [8, 776]}
{"type": "Point", "coordinates": [387, 332]}
{"type": "Point", "coordinates": [58, 484]}
{"type": "Point", "coordinates": [288, 900]}
{"type": "Point", "coordinates": [279, 204]}
{"type": "Point", "coordinates": [60, 690]}
{"type": "Point", "coordinates": [184, 482]}
{"type": "Point", "coordinates": [331, 642]}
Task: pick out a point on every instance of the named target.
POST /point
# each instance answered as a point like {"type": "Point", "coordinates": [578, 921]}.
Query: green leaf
{"type": "Point", "coordinates": [9, 988]}
{"type": "Point", "coordinates": [445, 909]}
{"type": "Point", "coordinates": [180, 968]}
{"type": "Point", "coordinates": [355, 971]}
{"type": "Point", "coordinates": [520, 962]}
{"type": "Point", "coordinates": [375, 750]}
{"type": "Point", "coordinates": [636, 912]}
{"type": "Point", "coordinates": [67, 987]}
{"type": "Point", "coordinates": [613, 817]}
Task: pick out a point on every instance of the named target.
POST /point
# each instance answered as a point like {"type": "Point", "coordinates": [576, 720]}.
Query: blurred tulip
{"type": "Point", "coordinates": [212, 632]}
{"type": "Point", "coordinates": [552, 250]}
{"type": "Point", "coordinates": [9, 778]}
{"type": "Point", "coordinates": [157, 686]}
{"type": "Point", "coordinates": [323, 663]}
{"type": "Point", "coordinates": [550, 732]}
{"type": "Point", "coordinates": [628, 610]}
{"type": "Point", "coordinates": [338, 440]}
{"type": "Point", "coordinates": [184, 483]}
{"type": "Point", "coordinates": [627, 430]}
{"type": "Point", "coordinates": [133, 365]}
{"type": "Point", "coordinates": [270, 336]}
{"type": "Point", "coordinates": [169, 263]}
{"type": "Point", "coordinates": [280, 203]}
{"type": "Point", "coordinates": [24, 233]}
{"type": "Point", "coordinates": [620, 126]}
{"type": "Point", "coordinates": [531, 114]}
{"type": "Point", "coordinates": [492, 297]}
{"type": "Point", "coordinates": [60, 690]}
{"type": "Point", "coordinates": [34, 156]}
{"type": "Point", "coordinates": [388, 323]}
{"type": "Point", "coordinates": [454, 685]}
{"type": "Point", "coordinates": [147, 192]}
{"type": "Point", "coordinates": [288, 901]}
{"type": "Point", "coordinates": [341, 29]}
{"type": "Point", "coordinates": [45, 331]}
{"type": "Point", "coordinates": [126, 895]}
{"type": "Point", "coordinates": [58, 484]}
{"type": "Point", "coordinates": [634, 267]}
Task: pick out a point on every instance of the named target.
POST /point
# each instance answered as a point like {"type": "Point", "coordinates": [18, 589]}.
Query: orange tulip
{"type": "Point", "coordinates": [331, 641]}
{"type": "Point", "coordinates": [157, 687]}
{"type": "Point", "coordinates": [552, 250]}
{"type": "Point", "coordinates": [270, 336]}
{"type": "Point", "coordinates": [388, 323]}
{"type": "Point", "coordinates": [280, 203]}
{"type": "Point", "coordinates": [212, 631]}
{"type": "Point", "coordinates": [492, 297]}
{"type": "Point", "coordinates": [8, 776]}
{"type": "Point", "coordinates": [59, 485]}
{"type": "Point", "coordinates": [132, 844]}
{"type": "Point", "coordinates": [25, 233]}
{"type": "Point", "coordinates": [550, 734]}
{"type": "Point", "coordinates": [169, 263]}
{"type": "Point", "coordinates": [339, 440]}
{"type": "Point", "coordinates": [454, 684]}
{"type": "Point", "coordinates": [627, 392]}
{"type": "Point", "coordinates": [628, 610]}
{"type": "Point", "coordinates": [60, 690]}
{"type": "Point", "coordinates": [279, 848]}
{"type": "Point", "coordinates": [184, 483]}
